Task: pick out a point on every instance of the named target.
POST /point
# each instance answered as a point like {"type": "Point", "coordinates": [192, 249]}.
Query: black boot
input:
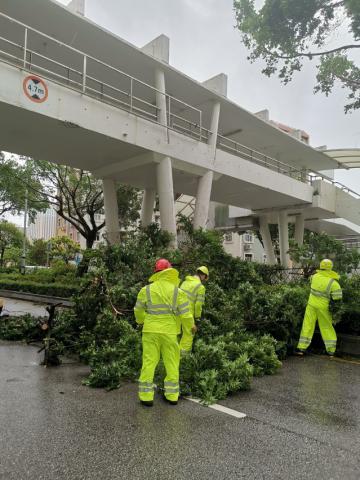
{"type": "Point", "coordinates": [171, 402]}
{"type": "Point", "coordinates": [147, 403]}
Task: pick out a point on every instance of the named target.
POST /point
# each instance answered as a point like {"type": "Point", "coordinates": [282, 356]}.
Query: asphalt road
{"type": "Point", "coordinates": [17, 308]}
{"type": "Point", "coordinates": [301, 424]}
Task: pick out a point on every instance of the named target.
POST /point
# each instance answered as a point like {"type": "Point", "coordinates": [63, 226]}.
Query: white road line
{"type": "Point", "coordinates": [220, 408]}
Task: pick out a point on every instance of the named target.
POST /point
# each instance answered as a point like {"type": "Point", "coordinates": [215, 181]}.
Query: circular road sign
{"type": "Point", "coordinates": [35, 89]}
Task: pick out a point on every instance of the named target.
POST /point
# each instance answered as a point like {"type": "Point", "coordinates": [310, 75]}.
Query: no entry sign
{"type": "Point", "coordinates": [35, 89]}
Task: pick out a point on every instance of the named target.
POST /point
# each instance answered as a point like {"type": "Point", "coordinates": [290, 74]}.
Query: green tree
{"type": "Point", "coordinates": [10, 237]}
{"type": "Point", "coordinates": [285, 33]}
{"type": "Point", "coordinates": [15, 178]}
{"type": "Point", "coordinates": [318, 246]}
{"type": "Point", "coordinates": [77, 197]}
{"type": "Point", "coordinates": [129, 203]}
{"type": "Point", "coordinates": [37, 254]}
{"type": "Point", "coordinates": [63, 247]}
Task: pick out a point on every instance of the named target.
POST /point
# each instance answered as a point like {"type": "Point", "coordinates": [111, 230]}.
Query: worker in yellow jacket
{"type": "Point", "coordinates": [194, 288]}
{"type": "Point", "coordinates": [324, 287]}
{"type": "Point", "coordinates": [162, 308]}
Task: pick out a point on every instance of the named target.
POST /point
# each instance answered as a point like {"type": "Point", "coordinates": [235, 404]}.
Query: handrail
{"type": "Point", "coordinates": [313, 175]}
{"type": "Point", "coordinates": [86, 89]}
{"type": "Point", "coordinates": [186, 126]}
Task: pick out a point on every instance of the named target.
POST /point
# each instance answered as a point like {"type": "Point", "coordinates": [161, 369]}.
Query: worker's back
{"type": "Point", "coordinates": [195, 292]}
{"type": "Point", "coordinates": [324, 286]}
{"type": "Point", "coordinates": [162, 303]}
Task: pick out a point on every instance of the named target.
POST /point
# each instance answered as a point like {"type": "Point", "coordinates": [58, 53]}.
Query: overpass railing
{"type": "Point", "coordinates": [93, 77]}
{"type": "Point", "coordinates": [84, 73]}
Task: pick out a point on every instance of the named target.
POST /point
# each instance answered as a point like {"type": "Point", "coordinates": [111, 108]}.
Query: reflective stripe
{"type": "Point", "coordinates": [183, 305]}
{"type": "Point", "coordinates": [171, 384]}
{"type": "Point", "coordinates": [140, 304]}
{"type": "Point", "coordinates": [317, 293]}
{"type": "Point", "coordinates": [146, 384]}
{"type": "Point", "coordinates": [183, 311]}
{"type": "Point", "coordinates": [146, 389]}
{"type": "Point", "coordinates": [197, 288]}
{"type": "Point", "coordinates": [190, 294]}
{"type": "Point", "coordinates": [326, 294]}
{"type": "Point", "coordinates": [148, 295]}
{"type": "Point", "coordinates": [328, 289]}
{"type": "Point", "coordinates": [156, 306]}
{"type": "Point", "coordinates": [160, 312]}
{"type": "Point", "coordinates": [175, 298]}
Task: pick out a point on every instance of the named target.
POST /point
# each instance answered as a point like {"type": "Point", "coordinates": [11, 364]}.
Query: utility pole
{"type": "Point", "coordinates": [23, 259]}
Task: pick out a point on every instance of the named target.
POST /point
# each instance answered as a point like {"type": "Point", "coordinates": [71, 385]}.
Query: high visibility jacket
{"type": "Point", "coordinates": [161, 306]}
{"type": "Point", "coordinates": [324, 287]}
{"type": "Point", "coordinates": [195, 292]}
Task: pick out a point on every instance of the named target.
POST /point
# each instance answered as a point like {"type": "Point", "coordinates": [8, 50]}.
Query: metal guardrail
{"type": "Point", "coordinates": [261, 159]}
{"type": "Point", "coordinates": [84, 73]}
{"type": "Point", "coordinates": [36, 298]}
{"type": "Point", "coordinates": [313, 176]}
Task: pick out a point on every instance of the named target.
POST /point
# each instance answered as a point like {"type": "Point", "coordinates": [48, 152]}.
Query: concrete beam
{"type": "Point", "coordinates": [217, 84]}
{"type": "Point", "coordinates": [158, 48]}
{"type": "Point", "coordinates": [122, 166]}
{"type": "Point", "coordinates": [77, 6]}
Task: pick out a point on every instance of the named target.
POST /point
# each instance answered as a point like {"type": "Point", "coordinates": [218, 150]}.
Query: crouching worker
{"type": "Point", "coordinates": [194, 288]}
{"type": "Point", "coordinates": [324, 287]}
{"type": "Point", "coordinates": [161, 308]}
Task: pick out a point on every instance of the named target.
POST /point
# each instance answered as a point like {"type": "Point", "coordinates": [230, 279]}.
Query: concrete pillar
{"type": "Point", "coordinates": [214, 126]}
{"type": "Point", "coordinates": [266, 237]}
{"type": "Point", "coordinates": [147, 208]}
{"type": "Point", "coordinates": [165, 188]}
{"type": "Point", "coordinates": [160, 96]}
{"type": "Point", "coordinates": [111, 211]}
{"type": "Point", "coordinates": [284, 239]}
{"type": "Point", "coordinates": [205, 182]}
{"type": "Point", "coordinates": [203, 200]}
{"type": "Point", "coordinates": [159, 48]}
{"type": "Point", "coordinates": [299, 229]}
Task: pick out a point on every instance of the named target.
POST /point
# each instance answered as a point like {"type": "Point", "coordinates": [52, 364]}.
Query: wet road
{"type": "Point", "coordinates": [301, 424]}
{"type": "Point", "coordinates": [17, 308]}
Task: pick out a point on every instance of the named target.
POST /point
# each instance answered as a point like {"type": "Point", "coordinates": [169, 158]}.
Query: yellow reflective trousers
{"type": "Point", "coordinates": [154, 346]}
{"type": "Point", "coordinates": [327, 330]}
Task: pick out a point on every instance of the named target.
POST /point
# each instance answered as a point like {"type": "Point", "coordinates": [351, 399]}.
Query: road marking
{"type": "Point", "coordinates": [219, 408]}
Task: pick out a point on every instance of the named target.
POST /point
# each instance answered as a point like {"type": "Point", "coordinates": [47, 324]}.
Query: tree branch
{"type": "Point", "coordinates": [310, 54]}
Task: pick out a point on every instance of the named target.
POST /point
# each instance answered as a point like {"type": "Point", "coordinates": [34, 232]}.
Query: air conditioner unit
{"type": "Point", "coordinates": [247, 246]}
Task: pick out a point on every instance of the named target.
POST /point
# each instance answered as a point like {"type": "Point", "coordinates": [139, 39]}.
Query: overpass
{"type": "Point", "coordinates": [73, 93]}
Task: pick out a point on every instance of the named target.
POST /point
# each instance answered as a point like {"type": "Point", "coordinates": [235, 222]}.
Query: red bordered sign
{"type": "Point", "coordinates": [35, 89]}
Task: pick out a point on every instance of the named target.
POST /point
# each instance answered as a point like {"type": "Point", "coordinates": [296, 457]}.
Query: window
{"type": "Point", "coordinates": [248, 257]}
{"type": "Point", "coordinates": [228, 237]}
{"type": "Point", "coordinates": [248, 238]}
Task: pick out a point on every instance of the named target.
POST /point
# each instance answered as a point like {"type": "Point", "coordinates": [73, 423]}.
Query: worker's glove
{"type": "Point", "coordinates": [194, 329]}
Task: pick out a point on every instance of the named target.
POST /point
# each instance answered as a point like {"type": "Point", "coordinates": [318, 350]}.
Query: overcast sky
{"type": "Point", "coordinates": [204, 42]}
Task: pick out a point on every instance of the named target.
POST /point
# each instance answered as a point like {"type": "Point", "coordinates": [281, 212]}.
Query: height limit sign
{"type": "Point", "coordinates": [35, 89]}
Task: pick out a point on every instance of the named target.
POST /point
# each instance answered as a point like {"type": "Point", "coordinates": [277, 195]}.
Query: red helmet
{"type": "Point", "coordinates": [162, 264]}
